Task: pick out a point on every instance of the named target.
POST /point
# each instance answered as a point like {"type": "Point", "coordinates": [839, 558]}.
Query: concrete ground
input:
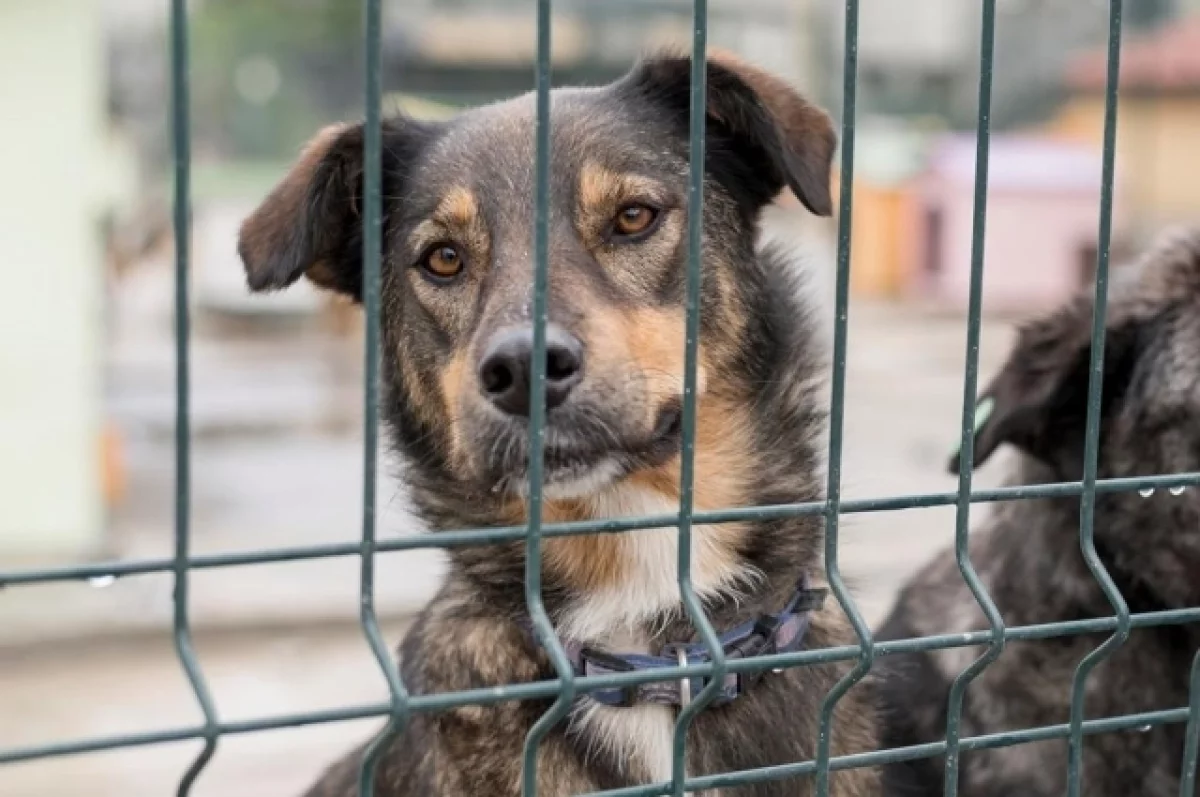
{"type": "Point", "coordinates": [86, 660]}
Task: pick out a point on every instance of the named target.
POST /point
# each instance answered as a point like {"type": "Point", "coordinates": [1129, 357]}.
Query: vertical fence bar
{"type": "Point", "coordinates": [837, 407]}
{"type": "Point", "coordinates": [1087, 501]}
{"type": "Point", "coordinates": [537, 417]}
{"type": "Point", "coordinates": [687, 457]}
{"type": "Point", "coordinates": [1191, 746]}
{"type": "Point", "coordinates": [962, 521]}
{"type": "Point", "coordinates": [181, 132]}
{"type": "Point", "coordinates": [372, 257]}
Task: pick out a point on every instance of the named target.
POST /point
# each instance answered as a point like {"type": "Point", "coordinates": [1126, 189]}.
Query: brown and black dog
{"type": "Point", "coordinates": [457, 336]}
{"type": "Point", "coordinates": [1027, 552]}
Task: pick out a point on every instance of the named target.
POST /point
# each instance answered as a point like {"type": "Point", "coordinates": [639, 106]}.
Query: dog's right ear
{"type": "Point", "coordinates": [311, 223]}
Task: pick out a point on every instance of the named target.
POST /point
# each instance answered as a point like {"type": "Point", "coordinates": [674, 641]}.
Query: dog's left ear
{"type": "Point", "coordinates": [762, 135]}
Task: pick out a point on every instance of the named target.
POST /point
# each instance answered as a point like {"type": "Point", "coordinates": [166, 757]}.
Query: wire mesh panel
{"type": "Point", "coordinates": [400, 705]}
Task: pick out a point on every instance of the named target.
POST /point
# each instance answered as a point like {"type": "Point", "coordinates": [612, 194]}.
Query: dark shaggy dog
{"type": "Point", "coordinates": [456, 305]}
{"type": "Point", "coordinates": [1028, 551]}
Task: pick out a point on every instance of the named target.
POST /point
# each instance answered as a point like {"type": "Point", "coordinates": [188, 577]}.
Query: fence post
{"type": "Point", "coordinates": [372, 256]}
{"type": "Point", "coordinates": [537, 418]}
{"type": "Point", "coordinates": [958, 690]}
{"type": "Point", "coordinates": [697, 116]}
{"type": "Point", "coordinates": [180, 566]}
{"type": "Point", "coordinates": [1087, 502]}
{"type": "Point", "coordinates": [833, 492]}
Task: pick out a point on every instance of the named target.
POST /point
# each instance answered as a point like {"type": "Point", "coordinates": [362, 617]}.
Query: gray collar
{"type": "Point", "coordinates": [767, 634]}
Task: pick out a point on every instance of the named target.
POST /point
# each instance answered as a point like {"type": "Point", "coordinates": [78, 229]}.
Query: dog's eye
{"type": "Point", "coordinates": [442, 262]}
{"type": "Point", "coordinates": [634, 220]}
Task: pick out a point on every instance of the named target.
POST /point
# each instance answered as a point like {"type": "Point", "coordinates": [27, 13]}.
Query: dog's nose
{"type": "Point", "coordinates": [507, 368]}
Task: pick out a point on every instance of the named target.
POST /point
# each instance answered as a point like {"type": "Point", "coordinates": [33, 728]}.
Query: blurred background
{"type": "Point", "coordinates": [87, 366]}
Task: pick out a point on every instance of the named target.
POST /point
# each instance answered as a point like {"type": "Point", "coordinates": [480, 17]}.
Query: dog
{"type": "Point", "coordinates": [457, 338]}
{"type": "Point", "coordinates": [1028, 552]}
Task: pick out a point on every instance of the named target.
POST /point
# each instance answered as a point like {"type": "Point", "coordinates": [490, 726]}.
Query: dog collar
{"type": "Point", "coordinates": [782, 632]}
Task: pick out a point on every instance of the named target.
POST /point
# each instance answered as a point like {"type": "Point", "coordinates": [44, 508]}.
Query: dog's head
{"type": "Point", "coordinates": [458, 262]}
{"type": "Point", "coordinates": [1151, 388]}
{"type": "Point", "coordinates": [1150, 419]}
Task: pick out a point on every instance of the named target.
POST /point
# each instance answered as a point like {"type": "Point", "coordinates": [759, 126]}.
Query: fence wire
{"type": "Point", "coordinates": [400, 705]}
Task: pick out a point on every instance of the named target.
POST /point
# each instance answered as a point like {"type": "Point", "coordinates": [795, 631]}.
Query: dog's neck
{"type": "Point", "coordinates": [621, 590]}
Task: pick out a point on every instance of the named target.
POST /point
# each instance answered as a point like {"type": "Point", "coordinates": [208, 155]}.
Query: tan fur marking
{"type": "Point", "coordinates": [723, 464]}
{"type": "Point", "coordinates": [482, 642]}
{"type": "Point", "coordinates": [602, 189]}
{"type": "Point", "coordinates": [590, 561]}
{"type": "Point", "coordinates": [656, 344]}
{"type": "Point", "coordinates": [458, 207]}
{"type": "Point", "coordinates": [452, 379]}
{"type": "Point", "coordinates": [598, 186]}
{"type": "Point", "coordinates": [653, 339]}
{"type": "Point", "coordinates": [602, 192]}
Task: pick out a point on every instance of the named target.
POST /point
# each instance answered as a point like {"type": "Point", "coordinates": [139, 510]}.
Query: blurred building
{"type": "Point", "coordinates": [260, 87]}
{"type": "Point", "coordinates": [889, 157]}
{"type": "Point", "coordinates": [1158, 122]}
{"type": "Point", "coordinates": [921, 57]}
{"type": "Point", "coordinates": [591, 41]}
{"type": "Point", "coordinates": [1040, 246]}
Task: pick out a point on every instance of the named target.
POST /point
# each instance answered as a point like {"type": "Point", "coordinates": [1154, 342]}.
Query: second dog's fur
{"type": "Point", "coordinates": [1029, 559]}
{"type": "Point", "coordinates": [456, 305]}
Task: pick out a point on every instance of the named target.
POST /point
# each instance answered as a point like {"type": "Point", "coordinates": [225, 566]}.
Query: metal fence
{"type": "Point", "coordinates": [400, 707]}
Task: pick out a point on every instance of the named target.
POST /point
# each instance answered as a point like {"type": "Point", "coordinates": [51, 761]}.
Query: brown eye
{"type": "Point", "coordinates": [443, 262]}
{"type": "Point", "coordinates": [634, 220]}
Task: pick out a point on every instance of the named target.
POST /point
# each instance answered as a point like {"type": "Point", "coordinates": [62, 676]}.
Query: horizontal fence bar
{"type": "Point", "coordinates": [858, 760]}
{"type": "Point", "coordinates": [542, 689]}
{"type": "Point", "coordinates": [506, 534]}
{"type": "Point", "coordinates": [747, 777]}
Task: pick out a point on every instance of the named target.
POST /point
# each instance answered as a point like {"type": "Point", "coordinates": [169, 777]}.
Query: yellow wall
{"type": "Point", "coordinates": [1158, 152]}
{"type": "Point", "coordinates": [881, 239]}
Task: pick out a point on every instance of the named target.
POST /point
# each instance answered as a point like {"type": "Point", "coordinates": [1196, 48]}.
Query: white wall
{"type": "Point", "coordinates": [50, 304]}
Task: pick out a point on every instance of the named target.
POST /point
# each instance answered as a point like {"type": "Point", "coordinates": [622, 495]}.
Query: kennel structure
{"type": "Point", "coordinates": [400, 708]}
{"type": "Point", "coordinates": [1041, 228]}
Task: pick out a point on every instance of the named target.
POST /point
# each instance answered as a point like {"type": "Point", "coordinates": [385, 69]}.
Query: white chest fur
{"type": "Point", "coordinates": [648, 589]}
{"type": "Point", "coordinates": [612, 618]}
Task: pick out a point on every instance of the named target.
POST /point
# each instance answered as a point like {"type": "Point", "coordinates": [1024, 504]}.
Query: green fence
{"type": "Point", "coordinates": [565, 688]}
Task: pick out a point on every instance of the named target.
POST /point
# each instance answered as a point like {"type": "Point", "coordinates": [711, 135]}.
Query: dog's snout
{"type": "Point", "coordinates": [506, 370]}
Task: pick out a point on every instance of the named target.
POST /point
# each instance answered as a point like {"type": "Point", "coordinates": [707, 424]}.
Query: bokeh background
{"type": "Point", "coordinates": [87, 359]}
